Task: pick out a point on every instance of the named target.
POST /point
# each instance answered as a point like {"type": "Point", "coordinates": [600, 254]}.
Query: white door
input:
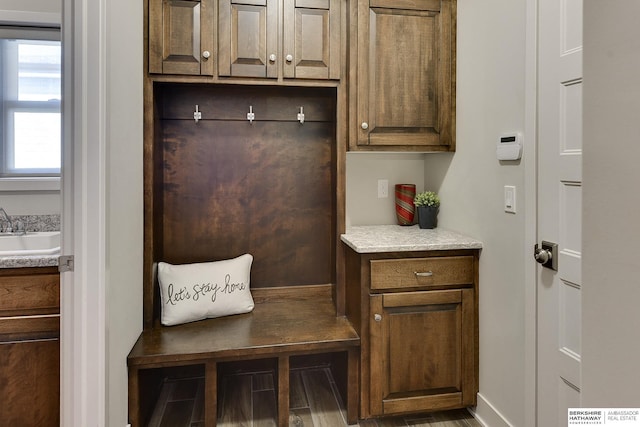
{"type": "Point", "coordinates": [559, 208]}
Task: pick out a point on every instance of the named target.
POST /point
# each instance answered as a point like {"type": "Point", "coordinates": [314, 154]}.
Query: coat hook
{"type": "Point", "coordinates": [197, 115]}
{"type": "Point", "coordinates": [250, 115]}
{"type": "Point", "coordinates": [301, 115]}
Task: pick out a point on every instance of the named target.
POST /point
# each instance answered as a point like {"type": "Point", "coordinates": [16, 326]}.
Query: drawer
{"type": "Point", "coordinates": [23, 328]}
{"type": "Point", "coordinates": [29, 294]}
{"type": "Point", "coordinates": [422, 272]}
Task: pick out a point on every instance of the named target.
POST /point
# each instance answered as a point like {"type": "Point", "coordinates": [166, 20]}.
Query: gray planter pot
{"type": "Point", "coordinates": [427, 216]}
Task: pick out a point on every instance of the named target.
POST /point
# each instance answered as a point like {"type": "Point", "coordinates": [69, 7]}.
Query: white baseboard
{"type": "Point", "coordinates": [488, 415]}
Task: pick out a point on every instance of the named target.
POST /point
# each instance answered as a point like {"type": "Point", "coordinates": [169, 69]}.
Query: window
{"type": "Point", "coordinates": [30, 126]}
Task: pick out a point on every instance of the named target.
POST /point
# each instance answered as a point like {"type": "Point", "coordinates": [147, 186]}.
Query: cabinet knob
{"type": "Point", "coordinates": [272, 57]}
{"type": "Point", "coordinates": [206, 54]}
{"type": "Point", "coordinates": [289, 58]}
{"type": "Point", "coordinates": [377, 317]}
{"type": "Point", "coordinates": [364, 125]}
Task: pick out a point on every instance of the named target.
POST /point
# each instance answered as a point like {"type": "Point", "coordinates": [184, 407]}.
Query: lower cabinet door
{"type": "Point", "coordinates": [422, 352]}
{"type": "Point", "coordinates": [30, 383]}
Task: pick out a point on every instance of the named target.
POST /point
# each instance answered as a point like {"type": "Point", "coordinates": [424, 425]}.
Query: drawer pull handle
{"type": "Point", "coordinates": [377, 317]}
{"type": "Point", "coordinates": [423, 274]}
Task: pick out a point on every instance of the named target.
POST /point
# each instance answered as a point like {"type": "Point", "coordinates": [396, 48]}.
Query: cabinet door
{"type": "Point", "coordinates": [311, 39]}
{"type": "Point", "coordinates": [248, 38]}
{"type": "Point", "coordinates": [181, 37]}
{"type": "Point", "coordinates": [406, 69]}
{"type": "Point", "coordinates": [422, 351]}
{"type": "Point", "coordinates": [30, 383]}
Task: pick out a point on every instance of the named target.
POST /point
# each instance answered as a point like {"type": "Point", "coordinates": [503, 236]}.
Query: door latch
{"type": "Point", "coordinates": [547, 254]}
{"type": "Point", "coordinates": [65, 263]}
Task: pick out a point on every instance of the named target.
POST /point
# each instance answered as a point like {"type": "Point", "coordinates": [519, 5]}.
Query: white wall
{"type": "Point", "coordinates": [490, 100]}
{"type": "Point", "coordinates": [363, 172]}
{"type": "Point", "coordinates": [124, 216]}
{"type": "Point", "coordinates": [30, 202]}
{"type": "Point", "coordinates": [611, 205]}
{"type": "Point", "coordinates": [40, 6]}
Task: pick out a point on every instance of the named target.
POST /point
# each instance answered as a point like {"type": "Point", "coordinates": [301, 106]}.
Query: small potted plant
{"type": "Point", "coordinates": [427, 204]}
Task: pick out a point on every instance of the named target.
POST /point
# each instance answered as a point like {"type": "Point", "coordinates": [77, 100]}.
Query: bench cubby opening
{"type": "Point", "coordinates": [186, 396]}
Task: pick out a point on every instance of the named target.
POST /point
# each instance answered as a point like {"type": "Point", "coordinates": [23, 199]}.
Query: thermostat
{"type": "Point", "coordinates": [509, 146]}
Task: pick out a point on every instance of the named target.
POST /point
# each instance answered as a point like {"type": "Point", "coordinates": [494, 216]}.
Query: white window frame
{"type": "Point", "coordinates": [10, 178]}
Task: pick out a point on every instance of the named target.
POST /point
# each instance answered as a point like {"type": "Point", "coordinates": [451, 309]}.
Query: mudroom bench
{"type": "Point", "coordinates": [224, 186]}
{"type": "Point", "coordinates": [286, 324]}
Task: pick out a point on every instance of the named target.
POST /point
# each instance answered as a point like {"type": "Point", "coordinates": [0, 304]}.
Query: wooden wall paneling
{"type": "Point", "coordinates": [227, 102]}
{"type": "Point", "coordinates": [175, 102]}
{"type": "Point", "coordinates": [227, 193]}
{"type": "Point", "coordinates": [267, 188]}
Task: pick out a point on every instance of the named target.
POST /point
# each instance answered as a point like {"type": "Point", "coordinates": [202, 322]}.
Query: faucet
{"type": "Point", "coordinates": [5, 217]}
{"type": "Point", "coordinates": [20, 230]}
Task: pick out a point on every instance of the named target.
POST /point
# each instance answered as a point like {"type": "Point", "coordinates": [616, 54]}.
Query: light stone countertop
{"type": "Point", "coordinates": [29, 261]}
{"type": "Point", "coordinates": [395, 238]}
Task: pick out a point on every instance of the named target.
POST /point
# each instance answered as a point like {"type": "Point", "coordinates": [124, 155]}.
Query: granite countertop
{"type": "Point", "coordinates": [29, 261]}
{"type": "Point", "coordinates": [394, 238]}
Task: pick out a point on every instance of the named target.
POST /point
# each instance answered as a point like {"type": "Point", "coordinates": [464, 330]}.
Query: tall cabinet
{"type": "Point", "coordinates": [404, 94]}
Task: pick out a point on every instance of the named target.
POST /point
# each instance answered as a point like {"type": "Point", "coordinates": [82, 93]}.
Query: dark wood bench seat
{"type": "Point", "coordinates": [285, 322]}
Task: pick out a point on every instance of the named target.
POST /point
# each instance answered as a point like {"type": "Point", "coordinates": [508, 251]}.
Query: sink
{"type": "Point", "coordinates": [32, 243]}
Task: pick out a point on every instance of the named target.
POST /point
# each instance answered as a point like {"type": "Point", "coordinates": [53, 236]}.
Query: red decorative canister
{"type": "Point", "coordinates": [405, 209]}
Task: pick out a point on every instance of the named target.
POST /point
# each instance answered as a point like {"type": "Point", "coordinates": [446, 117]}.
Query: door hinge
{"type": "Point", "coordinates": [65, 263]}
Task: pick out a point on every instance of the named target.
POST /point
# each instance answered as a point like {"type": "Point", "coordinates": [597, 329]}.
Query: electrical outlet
{"type": "Point", "coordinates": [383, 188]}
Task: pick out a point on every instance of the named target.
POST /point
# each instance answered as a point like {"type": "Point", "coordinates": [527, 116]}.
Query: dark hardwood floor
{"type": "Point", "coordinates": [249, 399]}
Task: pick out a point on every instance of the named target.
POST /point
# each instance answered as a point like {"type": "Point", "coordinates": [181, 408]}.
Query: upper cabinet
{"type": "Point", "coordinates": [181, 37]}
{"type": "Point", "coordinates": [311, 39]}
{"type": "Point", "coordinates": [404, 96]}
{"type": "Point", "coordinates": [248, 38]}
{"type": "Point", "coordinates": [273, 39]}
{"type": "Point", "coordinates": [251, 42]}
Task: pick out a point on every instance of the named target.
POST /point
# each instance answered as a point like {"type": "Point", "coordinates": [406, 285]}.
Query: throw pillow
{"type": "Point", "coordinates": [191, 292]}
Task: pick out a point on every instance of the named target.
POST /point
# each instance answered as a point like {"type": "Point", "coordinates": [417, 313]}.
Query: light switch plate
{"type": "Point", "coordinates": [510, 198]}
